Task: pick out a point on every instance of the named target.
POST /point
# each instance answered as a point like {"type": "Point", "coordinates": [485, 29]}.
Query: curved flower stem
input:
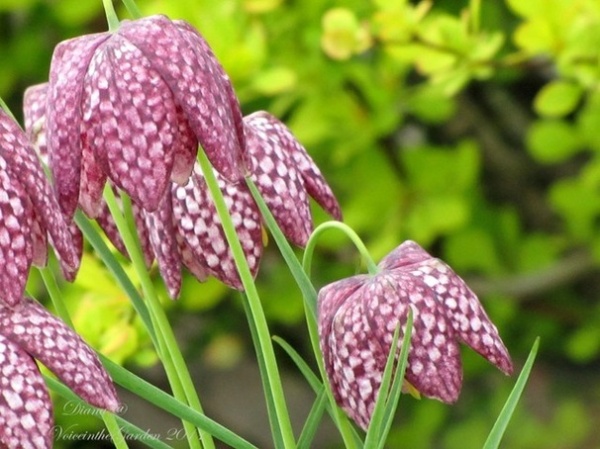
{"type": "Point", "coordinates": [111, 15]}
{"type": "Point", "coordinates": [109, 419]}
{"type": "Point", "coordinates": [133, 9]}
{"type": "Point", "coordinates": [168, 349]}
{"type": "Point", "coordinates": [351, 439]}
{"type": "Point", "coordinates": [280, 423]}
{"type": "Point", "coordinates": [312, 241]}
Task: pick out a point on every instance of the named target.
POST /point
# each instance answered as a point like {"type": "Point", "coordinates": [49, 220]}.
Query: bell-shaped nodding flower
{"type": "Point", "coordinates": [185, 229]}
{"type": "Point", "coordinates": [29, 214]}
{"type": "Point", "coordinates": [132, 105]}
{"type": "Point", "coordinates": [359, 315]}
{"type": "Point", "coordinates": [29, 331]}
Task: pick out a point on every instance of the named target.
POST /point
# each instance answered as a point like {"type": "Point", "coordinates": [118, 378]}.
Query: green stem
{"type": "Point", "coordinates": [312, 241]}
{"type": "Point", "coordinates": [133, 9]}
{"type": "Point", "coordinates": [168, 349]}
{"type": "Point", "coordinates": [114, 429]}
{"type": "Point", "coordinates": [111, 16]}
{"type": "Point", "coordinates": [351, 439]}
{"type": "Point", "coordinates": [254, 307]}
{"type": "Point", "coordinates": [114, 266]}
{"type": "Point", "coordinates": [61, 309]}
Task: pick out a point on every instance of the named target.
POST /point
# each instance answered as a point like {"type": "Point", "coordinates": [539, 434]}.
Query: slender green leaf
{"type": "Point", "coordinates": [308, 291]}
{"type": "Point", "coordinates": [270, 400]}
{"type": "Point", "coordinates": [117, 271]}
{"type": "Point", "coordinates": [134, 432]}
{"type": "Point", "coordinates": [306, 371]}
{"type": "Point", "coordinates": [312, 421]}
{"type": "Point", "coordinates": [394, 397]}
{"type": "Point", "coordinates": [372, 438]}
{"type": "Point", "coordinates": [166, 402]}
{"type": "Point", "coordinates": [495, 436]}
{"type": "Point", "coordinates": [281, 420]}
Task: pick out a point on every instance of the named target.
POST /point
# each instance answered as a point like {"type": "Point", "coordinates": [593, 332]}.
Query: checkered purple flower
{"type": "Point", "coordinates": [359, 315]}
{"type": "Point", "coordinates": [29, 331]}
{"type": "Point", "coordinates": [185, 230]}
{"type": "Point", "coordinates": [29, 215]}
{"type": "Point", "coordinates": [132, 106]}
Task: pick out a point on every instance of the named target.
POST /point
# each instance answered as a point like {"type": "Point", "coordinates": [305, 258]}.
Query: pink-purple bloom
{"type": "Point", "coordinates": [27, 332]}
{"type": "Point", "coordinates": [132, 106]}
{"type": "Point", "coordinates": [184, 229]}
{"type": "Point", "coordinates": [359, 315]}
{"type": "Point", "coordinates": [29, 215]}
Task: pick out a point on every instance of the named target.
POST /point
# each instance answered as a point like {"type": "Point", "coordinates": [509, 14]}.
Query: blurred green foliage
{"type": "Point", "coordinates": [472, 127]}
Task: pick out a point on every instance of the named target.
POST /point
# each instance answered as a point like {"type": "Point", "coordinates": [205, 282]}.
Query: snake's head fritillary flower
{"type": "Point", "coordinates": [132, 105]}
{"type": "Point", "coordinates": [29, 214]}
{"type": "Point", "coordinates": [359, 315]}
{"type": "Point", "coordinates": [286, 175]}
{"type": "Point", "coordinates": [28, 332]}
{"type": "Point", "coordinates": [186, 230]}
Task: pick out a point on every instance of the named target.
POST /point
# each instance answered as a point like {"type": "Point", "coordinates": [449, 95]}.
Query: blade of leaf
{"type": "Point", "coordinates": [394, 396]}
{"type": "Point", "coordinates": [308, 291]}
{"type": "Point", "coordinates": [270, 400]}
{"type": "Point", "coordinates": [154, 395]}
{"type": "Point", "coordinates": [372, 438]}
{"type": "Point", "coordinates": [495, 436]}
{"type": "Point", "coordinates": [306, 371]}
{"type": "Point", "coordinates": [309, 294]}
{"type": "Point", "coordinates": [131, 429]}
{"type": "Point", "coordinates": [117, 271]}
{"type": "Point", "coordinates": [313, 420]}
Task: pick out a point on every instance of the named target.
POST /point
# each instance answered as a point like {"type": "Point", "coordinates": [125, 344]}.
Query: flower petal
{"type": "Point", "coordinates": [196, 219]}
{"type": "Point", "coordinates": [434, 366]}
{"type": "Point", "coordinates": [330, 299]}
{"type": "Point", "coordinates": [280, 184]}
{"type": "Point", "coordinates": [130, 121]}
{"type": "Point", "coordinates": [185, 148]}
{"type": "Point", "coordinates": [465, 313]}
{"type": "Point", "coordinates": [34, 113]}
{"type": "Point", "coordinates": [203, 50]}
{"type": "Point", "coordinates": [57, 346]}
{"type": "Point", "coordinates": [198, 86]}
{"type": "Point", "coordinates": [315, 183]}
{"type": "Point", "coordinates": [16, 248]}
{"type": "Point", "coordinates": [26, 418]}
{"type": "Point", "coordinates": [24, 165]}
{"type": "Point", "coordinates": [353, 361]}
{"type": "Point", "coordinates": [69, 64]}
{"type": "Point", "coordinates": [164, 243]}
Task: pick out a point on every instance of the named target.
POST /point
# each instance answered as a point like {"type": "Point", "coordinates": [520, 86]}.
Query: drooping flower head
{"type": "Point", "coordinates": [359, 315]}
{"type": "Point", "coordinates": [118, 107]}
{"type": "Point", "coordinates": [132, 106]}
{"type": "Point", "coordinates": [29, 331]}
{"type": "Point", "coordinates": [29, 214]}
{"type": "Point", "coordinates": [185, 229]}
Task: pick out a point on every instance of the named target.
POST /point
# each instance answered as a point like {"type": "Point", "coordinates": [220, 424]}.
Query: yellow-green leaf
{"type": "Point", "coordinates": [557, 98]}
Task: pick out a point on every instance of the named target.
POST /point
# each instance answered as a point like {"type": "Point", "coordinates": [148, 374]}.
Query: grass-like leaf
{"type": "Point", "coordinates": [312, 421]}
{"type": "Point", "coordinates": [113, 265]}
{"type": "Point", "coordinates": [352, 439]}
{"type": "Point", "coordinates": [389, 390]}
{"type": "Point", "coordinates": [168, 403]}
{"type": "Point", "coordinates": [133, 432]}
{"type": "Point", "coordinates": [495, 436]}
